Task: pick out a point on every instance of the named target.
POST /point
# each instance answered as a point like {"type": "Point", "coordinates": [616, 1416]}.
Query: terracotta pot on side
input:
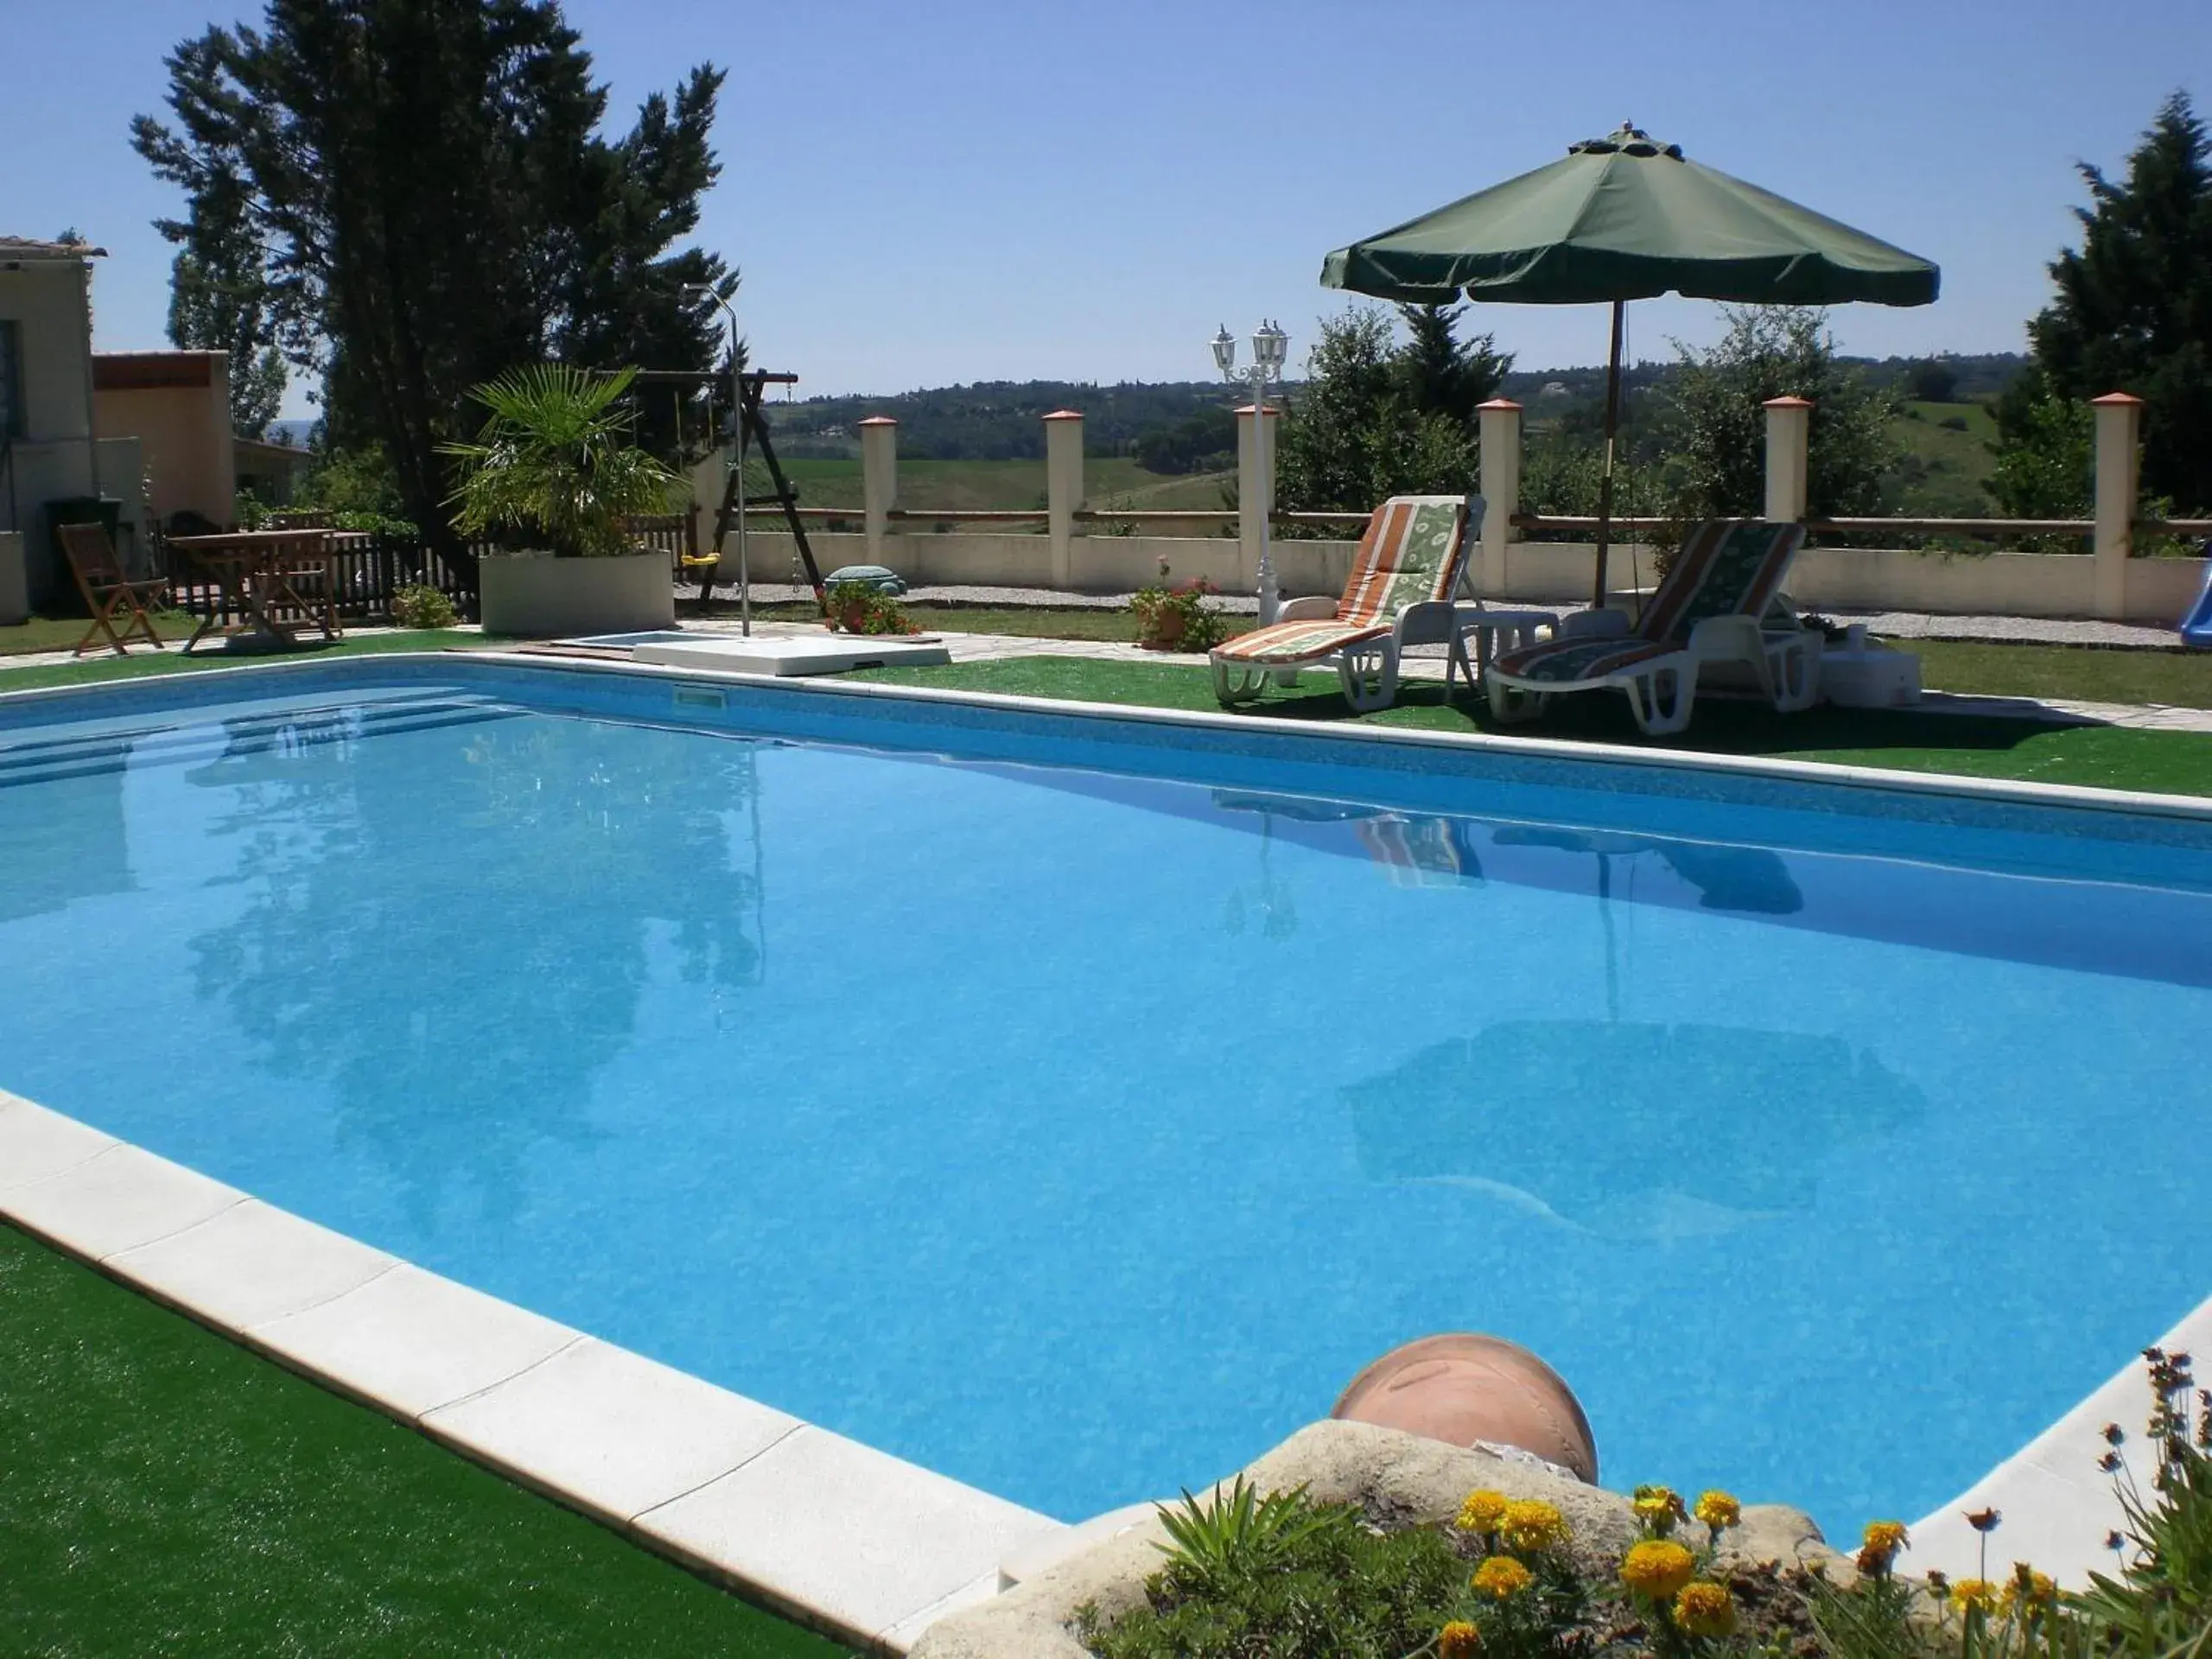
{"type": "Point", "coordinates": [1462, 1387]}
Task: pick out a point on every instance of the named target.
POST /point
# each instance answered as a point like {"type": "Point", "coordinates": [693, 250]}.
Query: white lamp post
{"type": "Point", "coordinates": [737, 454]}
{"type": "Point", "coordinates": [1269, 344]}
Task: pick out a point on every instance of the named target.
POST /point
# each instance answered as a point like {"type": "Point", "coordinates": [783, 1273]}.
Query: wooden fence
{"type": "Point", "coordinates": [368, 569]}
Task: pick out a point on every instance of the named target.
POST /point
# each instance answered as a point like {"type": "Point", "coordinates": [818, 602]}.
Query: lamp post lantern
{"type": "Point", "coordinates": [692, 290]}
{"type": "Point", "coordinates": [1269, 347]}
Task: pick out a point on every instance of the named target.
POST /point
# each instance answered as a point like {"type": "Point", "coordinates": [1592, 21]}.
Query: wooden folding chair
{"type": "Point", "coordinates": [109, 592]}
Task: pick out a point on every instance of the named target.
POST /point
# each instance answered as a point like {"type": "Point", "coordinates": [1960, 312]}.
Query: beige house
{"type": "Point", "coordinates": [51, 454]}
{"type": "Point", "coordinates": [177, 404]}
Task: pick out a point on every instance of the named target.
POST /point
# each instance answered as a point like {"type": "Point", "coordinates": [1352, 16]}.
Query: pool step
{"type": "Point", "coordinates": [290, 731]}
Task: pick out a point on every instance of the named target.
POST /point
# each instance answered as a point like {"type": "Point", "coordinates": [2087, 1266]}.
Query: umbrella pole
{"type": "Point", "coordinates": [1612, 427]}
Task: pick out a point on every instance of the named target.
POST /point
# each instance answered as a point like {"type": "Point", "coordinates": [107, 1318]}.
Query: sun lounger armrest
{"type": "Point", "coordinates": [1593, 625]}
{"type": "Point", "coordinates": [1424, 622]}
{"type": "Point", "coordinates": [1739, 635]}
{"type": "Point", "coordinates": [1313, 608]}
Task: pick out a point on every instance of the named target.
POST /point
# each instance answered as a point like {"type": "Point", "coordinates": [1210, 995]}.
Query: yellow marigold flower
{"type": "Point", "coordinates": [1658, 1507]}
{"type": "Point", "coordinates": [1502, 1576]}
{"type": "Point", "coordinates": [1531, 1524]}
{"type": "Point", "coordinates": [1718, 1510]}
{"type": "Point", "coordinates": [1482, 1511]}
{"type": "Point", "coordinates": [1457, 1640]}
{"type": "Point", "coordinates": [2029, 1589]}
{"type": "Point", "coordinates": [1704, 1610]}
{"type": "Point", "coordinates": [1657, 1568]}
{"type": "Point", "coordinates": [1885, 1537]}
{"type": "Point", "coordinates": [1972, 1595]}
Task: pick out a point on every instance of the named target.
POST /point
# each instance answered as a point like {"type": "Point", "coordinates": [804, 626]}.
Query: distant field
{"type": "Point", "coordinates": [1004, 486]}
{"type": "Point", "coordinates": [1954, 464]}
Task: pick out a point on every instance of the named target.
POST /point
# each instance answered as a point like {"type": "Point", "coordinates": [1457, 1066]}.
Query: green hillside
{"type": "Point", "coordinates": [1004, 485]}
{"type": "Point", "coordinates": [1950, 459]}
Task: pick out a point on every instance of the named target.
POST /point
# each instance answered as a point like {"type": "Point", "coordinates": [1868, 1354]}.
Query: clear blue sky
{"type": "Point", "coordinates": [981, 189]}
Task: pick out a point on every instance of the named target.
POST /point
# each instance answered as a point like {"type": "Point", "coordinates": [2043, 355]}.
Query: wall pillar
{"type": "Point", "coordinates": [879, 483]}
{"type": "Point", "coordinates": [1500, 429]}
{"type": "Point", "coordinates": [2119, 433]}
{"type": "Point", "coordinates": [1063, 490]}
{"type": "Point", "coordinates": [1788, 443]}
{"type": "Point", "coordinates": [1256, 495]}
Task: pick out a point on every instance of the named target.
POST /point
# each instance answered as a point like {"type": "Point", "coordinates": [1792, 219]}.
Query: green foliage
{"type": "Point", "coordinates": [1285, 1577]}
{"type": "Point", "coordinates": [1375, 419]}
{"type": "Point", "coordinates": [1713, 428]}
{"type": "Point", "coordinates": [1178, 618]}
{"type": "Point", "coordinates": [1441, 375]}
{"type": "Point", "coordinates": [1202, 441]}
{"type": "Point", "coordinates": [1932, 381]}
{"type": "Point", "coordinates": [418, 605]}
{"type": "Point", "coordinates": [2044, 449]}
{"type": "Point", "coordinates": [862, 607]}
{"type": "Point", "coordinates": [432, 202]}
{"type": "Point", "coordinates": [2133, 306]}
{"type": "Point", "coordinates": [356, 488]}
{"type": "Point", "coordinates": [555, 460]}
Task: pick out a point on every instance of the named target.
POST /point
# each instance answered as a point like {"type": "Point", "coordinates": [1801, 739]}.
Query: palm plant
{"type": "Point", "coordinates": [555, 460]}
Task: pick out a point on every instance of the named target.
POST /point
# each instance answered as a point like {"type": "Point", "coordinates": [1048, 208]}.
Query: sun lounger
{"type": "Point", "coordinates": [1403, 577]}
{"type": "Point", "coordinates": [1717, 604]}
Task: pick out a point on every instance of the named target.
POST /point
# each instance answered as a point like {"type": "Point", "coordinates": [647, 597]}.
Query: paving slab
{"type": "Point", "coordinates": [251, 1263]}
{"type": "Point", "coordinates": [410, 1341]}
{"type": "Point", "coordinates": [809, 652]}
{"type": "Point", "coordinates": [35, 1143]}
{"type": "Point", "coordinates": [116, 1199]}
{"type": "Point", "coordinates": [835, 1529]}
{"type": "Point", "coordinates": [609, 1431]}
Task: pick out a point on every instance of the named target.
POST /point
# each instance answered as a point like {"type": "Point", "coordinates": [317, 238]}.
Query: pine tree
{"type": "Point", "coordinates": [2133, 312]}
{"type": "Point", "coordinates": [430, 202]}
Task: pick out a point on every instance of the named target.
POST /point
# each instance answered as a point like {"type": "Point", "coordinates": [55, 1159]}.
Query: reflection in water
{"type": "Point", "coordinates": [350, 962]}
{"type": "Point", "coordinates": [1747, 879]}
{"type": "Point", "coordinates": [1630, 1130]}
{"type": "Point", "coordinates": [72, 845]}
{"type": "Point", "coordinates": [1414, 849]}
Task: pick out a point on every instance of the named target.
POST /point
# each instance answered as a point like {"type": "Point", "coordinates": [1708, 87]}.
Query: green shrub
{"type": "Point", "coordinates": [1178, 618]}
{"type": "Point", "coordinates": [417, 605]}
{"type": "Point", "coordinates": [860, 607]}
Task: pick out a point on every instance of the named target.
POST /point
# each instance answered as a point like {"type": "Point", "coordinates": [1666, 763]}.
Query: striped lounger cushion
{"type": "Point", "coordinates": [1726, 568]}
{"type": "Point", "coordinates": [1405, 557]}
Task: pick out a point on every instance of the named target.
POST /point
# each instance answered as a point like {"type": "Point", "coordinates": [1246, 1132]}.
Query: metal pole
{"type": "Point", "coordinates": [737, 451]}
{"type": "Point", "coordinates": [1612, 427]}
{"type": "Point", "coordinates": [1270, 590]}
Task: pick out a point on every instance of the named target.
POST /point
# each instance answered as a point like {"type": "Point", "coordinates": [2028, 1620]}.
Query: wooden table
{"type": "Point", "coordinates": [255, 570]}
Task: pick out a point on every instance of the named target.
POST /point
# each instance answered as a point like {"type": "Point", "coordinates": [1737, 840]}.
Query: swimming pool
{"type": "Point", "coordinates": [1073, 1106]}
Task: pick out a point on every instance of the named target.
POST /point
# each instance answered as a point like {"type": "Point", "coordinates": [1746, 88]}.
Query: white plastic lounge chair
{"type": "Point", "coordinates": [1409, 564]}
{"type": "Point", "coordinates": [1717, 605]}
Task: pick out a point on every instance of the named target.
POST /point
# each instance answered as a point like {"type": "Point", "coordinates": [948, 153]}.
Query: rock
{"type": "Point", "coordinates": [1396, 1479]}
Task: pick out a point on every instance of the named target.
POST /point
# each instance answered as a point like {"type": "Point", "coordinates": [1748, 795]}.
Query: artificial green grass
{"type": "Point", "coordinates": [162, 1490]}
{"type": "Point", "coordinates": [2098, 756]}
{"type": "Point", "coordinates": [93, 668]}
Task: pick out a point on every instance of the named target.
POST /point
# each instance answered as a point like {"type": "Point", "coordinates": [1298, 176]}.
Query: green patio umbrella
{"type": "Point", "coordinates": [1627, 217]}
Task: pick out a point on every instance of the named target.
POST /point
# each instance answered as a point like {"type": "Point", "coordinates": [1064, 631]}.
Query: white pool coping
{"type": "Point", "coordinates": [865, 1546]}
{"type": "Point", "coordinates": [2059, 1505]}
{"type": "Point", "coordinates": [768, 654]}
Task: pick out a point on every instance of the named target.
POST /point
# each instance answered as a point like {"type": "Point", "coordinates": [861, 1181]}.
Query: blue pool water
{"type": "Point", "coordinates": [1077, 1116]}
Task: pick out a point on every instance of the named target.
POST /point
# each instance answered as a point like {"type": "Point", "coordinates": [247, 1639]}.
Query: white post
{"type": "Point", "coordinates": [879, 482]}
{"type": "Point", "coordinates": [1499, 423]}
{"type": "Point", "coordinates": [1063, 490]}
{"type": "Point", "coordinates": [2119, 428]}
{"type": "Point", "coordinates": [1789, 438]}
{"type": "Point", "coordinates": [1255, 495]}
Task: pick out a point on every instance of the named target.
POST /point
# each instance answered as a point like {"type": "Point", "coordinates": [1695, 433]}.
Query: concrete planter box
{"type": "Point", "coordinates": [536, 596]}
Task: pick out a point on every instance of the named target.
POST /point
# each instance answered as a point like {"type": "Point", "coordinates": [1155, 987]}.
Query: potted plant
{"type": "Point", "coordinates": [553, 464]}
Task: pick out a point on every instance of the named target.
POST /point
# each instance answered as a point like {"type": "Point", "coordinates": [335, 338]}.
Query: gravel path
{"type": "Point", "coordinates": [1896, 625]}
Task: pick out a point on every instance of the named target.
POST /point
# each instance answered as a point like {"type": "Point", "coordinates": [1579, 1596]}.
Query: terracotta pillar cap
{"type": "Point", "coordinates": [879, 420]}
{"type": "Point", "coordinates": [1065, 415]}
{"type": "Point", "coordinates": [2116, 400]}
{"type": "Point", "coordinates": [1788, 403]}
{"type": "Point", "coordinates": [1497, 403]}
